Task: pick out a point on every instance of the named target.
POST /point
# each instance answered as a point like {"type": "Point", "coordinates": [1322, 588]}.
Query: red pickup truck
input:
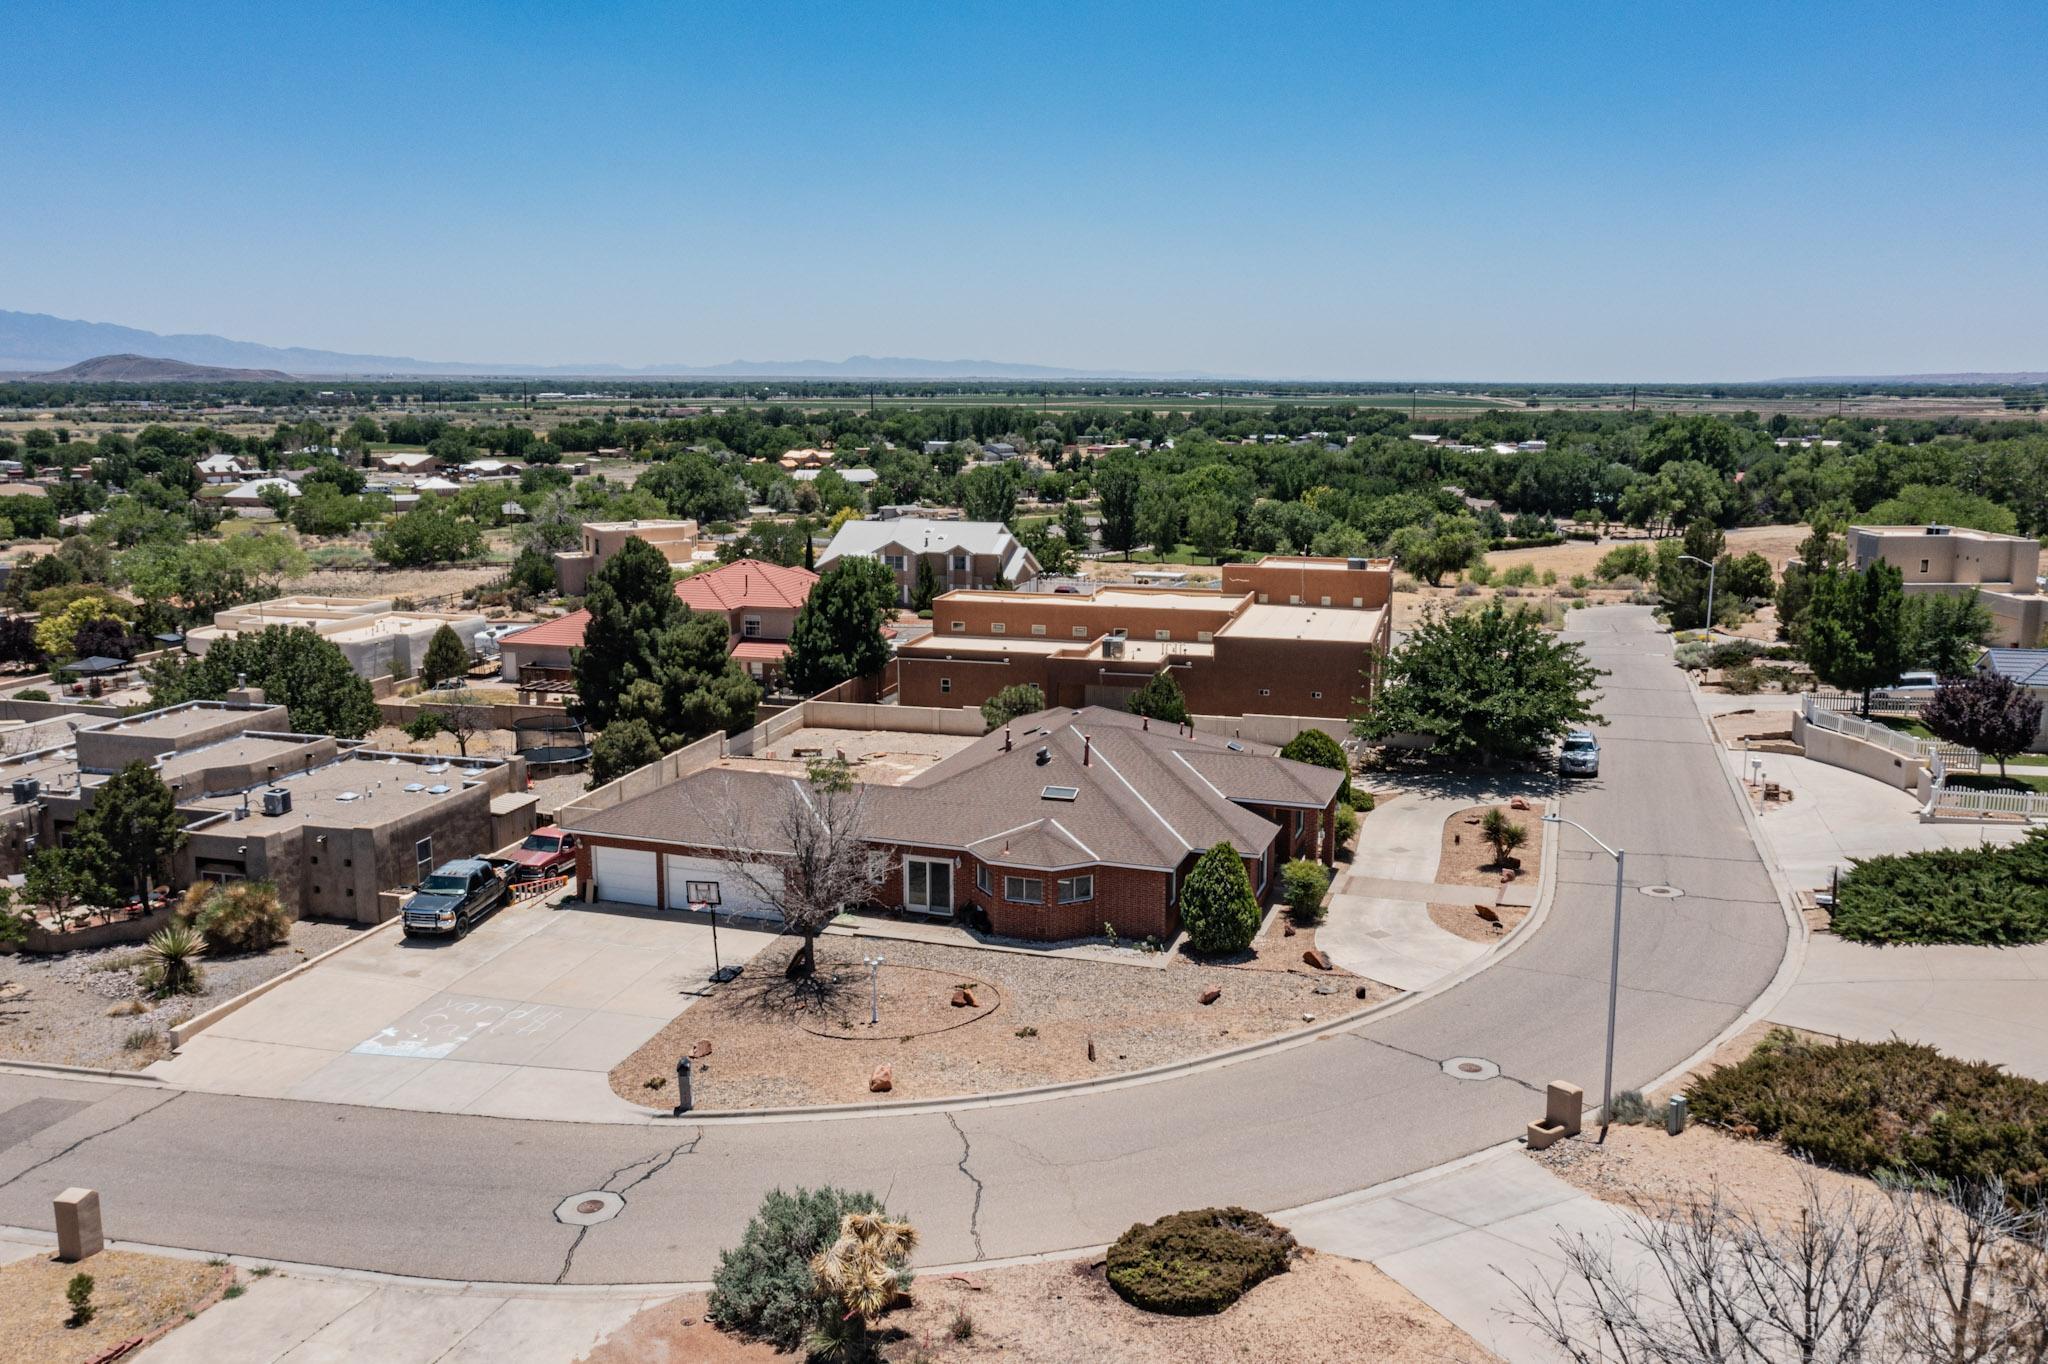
{"type": "Point", "coordinates": [547, 852]}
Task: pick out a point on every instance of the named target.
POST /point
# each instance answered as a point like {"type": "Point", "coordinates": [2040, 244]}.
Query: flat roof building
{"type": "Point", "coordinates": [2004, 570]}
{"type": "Point", "coordinates": [378, 639]}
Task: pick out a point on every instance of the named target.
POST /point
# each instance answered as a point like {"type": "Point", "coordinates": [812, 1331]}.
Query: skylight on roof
{"type": "Point", "coordinates": [1061, 793]}
{"type": "Point", "coordinates": [1234, 746]}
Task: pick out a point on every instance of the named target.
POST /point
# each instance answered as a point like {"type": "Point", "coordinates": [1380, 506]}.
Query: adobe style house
{"type": "Point", "coordinates": [678, 542]}
{"type": "Point", "coordinates": [963, 554]}
{"type": "Point", "coordinates": [1047, 829]}
{"type": "Point", "coordinates": [1286, 636]}
{"type": "Point", "coordinates": [759, 601]}
{"type": "Point", "coordinates": [2004, 569]}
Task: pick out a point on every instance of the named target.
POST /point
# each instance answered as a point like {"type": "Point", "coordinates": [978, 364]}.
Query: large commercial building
{"type": "Point", "coordinates": [1285, 636]}
{"type": "Point", "coordinates": [1050, 828]}
{"type": "Point", "coordinates": [334, 824]}
{"type": "Point", "coordinates": [962, 554]}
{"type": "Point", "coordinates": [2004, 570]}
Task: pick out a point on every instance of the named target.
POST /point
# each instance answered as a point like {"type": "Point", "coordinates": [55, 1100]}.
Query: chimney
{"type": "Point", "coordinates": [1006, 738]}
{"type": "Point", "coordinates": [1087, 750]}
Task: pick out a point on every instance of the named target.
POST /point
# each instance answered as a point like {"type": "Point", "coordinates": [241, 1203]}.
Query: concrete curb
{"type": "Point", "coordinates": [79, 1072]}
{"type": "Point", "coordinates": [200, 1022]}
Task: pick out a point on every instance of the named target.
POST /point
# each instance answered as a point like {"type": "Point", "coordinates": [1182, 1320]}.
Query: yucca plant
{"type": "Point", "coordinates": [1503, 833]}
{"type": "Point", "coordinates": [861, 1275]}
{"type": "Point", "coordinates": [174, 965]}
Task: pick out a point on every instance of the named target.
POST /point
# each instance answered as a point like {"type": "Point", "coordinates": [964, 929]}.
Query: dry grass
{"type": "Point", "coordinates": [135, 1296]}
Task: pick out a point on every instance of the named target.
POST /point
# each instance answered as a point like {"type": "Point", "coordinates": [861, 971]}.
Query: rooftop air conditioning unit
{"type": "Point", "coordinates": [1113, 646]}
{"type": "Point", "coordinates": [277, 801]}
{"type": "Point", "coordinates": [26, 789]}
{"type": "Point", "coordinates": [1355, 563]}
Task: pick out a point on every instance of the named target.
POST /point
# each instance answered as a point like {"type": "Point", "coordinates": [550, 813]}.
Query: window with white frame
{"type": "Point", "coordinates": [945, 684]}
{"type": "Point", "coordinates": [895, 561]}
{"type": "Point", "coordinates": [996, 627]}
{"type": "Point", "coordinates": [1358, 601]}
{"type": "Point", "coordinates": [1025, 890]}
{"type": "Point", "coordinates": [1326, 601]}
{"type": "Point", "coordinates": [1038, 629]}
{"type": "Point", "coordinates": [959, 563]}
{"type": "Point", "coordinates": [1204, 636]}
{"type": "Point", "coordinates": [1076, 889]}
{"type": "Point", "coordinates": [1080, 632]}
{"type": "Point", "coordinates": [1162, 634]}
{"type": "Point", "coordinates": [750, 627]}
{"type": "Point", "coordinates": [982, 880]}
{"type": "Point", "coordinates": [959, 626]}
{"type": "Point", "coordinates": [423, 853]}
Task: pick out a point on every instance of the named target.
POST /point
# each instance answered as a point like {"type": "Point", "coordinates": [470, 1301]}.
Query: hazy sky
{"type": "Point", "coordinates": [1460, 190]}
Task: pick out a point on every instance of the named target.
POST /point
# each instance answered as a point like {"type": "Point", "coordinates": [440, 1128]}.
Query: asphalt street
{"type": "Point", "coordinates": [463, 1197]}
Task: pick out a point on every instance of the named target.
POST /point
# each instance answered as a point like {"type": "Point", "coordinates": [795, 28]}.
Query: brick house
{"type": "Point", "coordinates": [1060, 823]}
{"type": "Point", "coordinates": [963, 554]}
{"type": "Point", "coordinates": [1286, 636]}
{"type": "Point", "coordinates": [758, 600]}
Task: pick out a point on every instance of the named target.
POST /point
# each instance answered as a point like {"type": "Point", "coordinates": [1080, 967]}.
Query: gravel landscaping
{"type": "Point", "coordinates": [1467, 858]}
{"type": "Point", "coordinates": [61, 1010]}
{"type": "Point", "coordinates": [1032, 1022]}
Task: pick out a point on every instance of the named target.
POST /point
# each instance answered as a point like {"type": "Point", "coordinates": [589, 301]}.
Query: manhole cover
{"type": "Point", "coordinates": [588, 1209]}
{"type": "Point", "coordinates": [1471, 1068]}
{"type": "Point", "coordinates": [1663, 892]}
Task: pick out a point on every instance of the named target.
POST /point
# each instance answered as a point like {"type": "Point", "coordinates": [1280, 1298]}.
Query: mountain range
{"type": "Point", "coordinates": [38, 343]}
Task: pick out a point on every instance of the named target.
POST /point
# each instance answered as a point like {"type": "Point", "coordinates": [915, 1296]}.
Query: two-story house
{"type": "Point", "coordinates": [963, 554]}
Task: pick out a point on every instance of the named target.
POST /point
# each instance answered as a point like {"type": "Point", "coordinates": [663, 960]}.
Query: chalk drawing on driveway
{"type": "Point", "coordinates": [434, 1030]}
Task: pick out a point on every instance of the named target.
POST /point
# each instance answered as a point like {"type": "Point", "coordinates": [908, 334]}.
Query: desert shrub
{"type": "Point", "coordinates": [1521, 575]}
{"type": "Point", "coordinates": [1733, 653]}
{"type": "Point", "coordinates": [1625, 561]}
{"type": "Point", "coordinates": [764, 1287]}
{"type": "Point", "coordinates": [1986, 896]}
{"type": "Point", "coordinates": [78, 1292]}
{"type": "Point", "coordinates": [31, 694]}
{"type": "Point", "coordinates": [422, 727]}
{"type": "Point", "coordinates": [1481, 573]}
{"type": "Point", "coordinates": [1690, 656]}
{"type": "Point", "coordinates": [1631, 1108]}
{"type": "Point", "coordinates": [245, 916]}
{"type": "Point", "coordinates": [174, 962]}
{"type": "Point", "coordinates": [1746, 680]}
{"type": "Point", "coordinates": [1894, 1108]}
{"type": "Point", "coordinates": [1580, 582]}
{"type": "Point", "coordinates": [1305, 883]}
{"type": "Point", "coordinates": [1217, 906]}
{"type": "Point", "coordinates": [1550, 577]}
{"type": "Point", "coordinates": [1466, 590]}
{"type": "Point", "coordinates": [1196, 1263]}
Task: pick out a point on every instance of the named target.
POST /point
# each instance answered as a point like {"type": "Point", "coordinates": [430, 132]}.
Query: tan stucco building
{"type": "Point", "coordinates": [2004, 569]}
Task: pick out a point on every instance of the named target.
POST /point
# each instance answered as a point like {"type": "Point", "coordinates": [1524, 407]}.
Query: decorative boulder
{"type": "Point", "coordinates": [882, 1081]}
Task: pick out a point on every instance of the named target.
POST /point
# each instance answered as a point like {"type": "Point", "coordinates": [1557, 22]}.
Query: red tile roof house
{"type": "Point", "coordinates": [759, 601]}
{"type": "Point", "coordinates": [1049, 829]}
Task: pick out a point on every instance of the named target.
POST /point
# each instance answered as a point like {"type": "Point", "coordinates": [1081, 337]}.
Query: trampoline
{"type": "Point", "coordinates": [551, 741]}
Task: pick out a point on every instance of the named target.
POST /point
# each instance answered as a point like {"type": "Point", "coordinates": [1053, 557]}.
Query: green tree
{"type": "Point", "coordinates": [1117, 486]}
{"type": "Point", "coordinates": [989, 493]}
{"type": "Point", "coordinates": [1217, 906]}
{"type": "Point", "coordinates": [61, 879]}
{"type": "Point", "coordinates": [838, 633]}
{"type": "Point", "coordinates": [1856, 629]}
{"type": "Point", "coordinates": [1949, 630]}
{"type": "Point", "coordinates": [927, 585]}
{"type": "Point", "coordinates": [626, 746]}
{"type": "Point", "coordinates": [533, 574]}
{"type": "Point", "coordinates": [1925, 504]}
{"type": "Point", "coordinates": [135, 815]}
{"type": "Point", "coordinates": [296, 669]}
{"type": "Point", "coordinates": [1316, 747]}
{"type": "Point", "coordinates": [1682, 583]}
{"type": "Point", "coordinates": [1024, 698]}
{"type": "Point", "coordinates": [1451, 544]}
{"type": "Point", "coordinates": [1074, 528]}
{"type": "Point", "coordinates": [447, 657]}
{"type": "Point", "coordinates": [1160, 698]}
{"type": "Point", "coordinates": [1212, 525]}
{"type": "Point", "coordinates": [1626, 561]}
{"type": "Point", "coordinates": [1159, 517]}
{"type": "Point", "coordinates": [1989, 712]}
{"type": "Point", "coordinates": [430, 533]}
{"type": "Point", "coordinates": [1482, 685]}
{"type": "Point", "coordinates": [1822, 551]}
{"type": "Point", "coordinates": [694, 485]}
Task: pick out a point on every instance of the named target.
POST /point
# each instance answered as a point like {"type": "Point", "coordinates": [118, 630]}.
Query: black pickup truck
{"type": "Point", "coordinates": [454, 898]}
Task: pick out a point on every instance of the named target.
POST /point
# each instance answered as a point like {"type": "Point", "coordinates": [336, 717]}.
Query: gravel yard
{"type": "Point", "coordinates": [133, 1296]}
{"type": "Point", "coordinates": [1032, 1021]}
{"type": "Point", "coordinates": [58, 1009]}
{"type": "Point", "coordinates": [1467, 858]}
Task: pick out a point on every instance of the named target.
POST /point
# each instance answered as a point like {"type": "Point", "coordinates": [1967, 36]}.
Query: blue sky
{"type": "Point", "coordinates": [1476, 190]}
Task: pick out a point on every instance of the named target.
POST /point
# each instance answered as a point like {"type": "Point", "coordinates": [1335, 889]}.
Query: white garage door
{"type": "Point", "coordinates": [696, 880]}
{"type": "Point", "coordinates": [624, 876]}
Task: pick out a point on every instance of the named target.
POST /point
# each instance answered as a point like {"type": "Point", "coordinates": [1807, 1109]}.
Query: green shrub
{"type": "Point", "coordinates": [1625, 561]}
{"type": "Point", "coordinates": [1347, 821]}
{"type": "Point", "coordinates": [1521, 575]}
{"type": "Point", "coordinates": [1195, 1263]}
{"type": "Point", "coordinates": [1305, 883]}
{"type": "Point", "coordinates": [1480, 573]}
{"type": "Point", "coordinates": [423, 727]}
{"type": "Point", "coordinates": [1021, 698]}
{"type": "Point", "coordinates": [31, 694]}
{"type": "Point", "coordinates": [1746, 680]}
{"type": "Point", "coordinates": [1887, 1108]}
{"type": "Point", "coordinates": [1217, 906]}
{"type": "Point", "coordinates": [1733, 653]}
{"type": "Point", "coordinates": [763, 1287]}
{"type": "Point", "coordinates": [245, 916]}
{"type": "Point", "coordinates": [1987, 896]}
{"type": "Point", "coordinates": [174, 962]}
{"type": "Point", "coordinates": [1316, 747]}
{"type": "Point", "coordinates": [1631, 1108]}
{"type": "Point", "coordinates": [78, 1292]}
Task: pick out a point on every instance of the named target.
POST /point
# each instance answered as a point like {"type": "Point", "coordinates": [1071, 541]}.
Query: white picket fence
{"type": "Point", "coordinates": [1820, 713]}
{"type": "Point", "coordinates": [1951, 800]}
{"type": "Point", "coordinates": [1845, 702]}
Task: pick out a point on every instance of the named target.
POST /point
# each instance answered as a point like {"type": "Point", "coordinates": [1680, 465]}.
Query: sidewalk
{"type": "Point", "coordinates": [1461, 1240]}
{"type": "Point", "coordinates": [310, 1321]}
{"type": "Point", "coordinates": [1379, 925]}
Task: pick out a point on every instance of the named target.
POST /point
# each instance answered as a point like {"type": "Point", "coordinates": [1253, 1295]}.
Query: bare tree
{"type": "Point", "coordinates": [464, 715]}
{"type": "Point", "coordinates": [1935, 1274]}
{"type": "Point", "coordinates": [810, 861]}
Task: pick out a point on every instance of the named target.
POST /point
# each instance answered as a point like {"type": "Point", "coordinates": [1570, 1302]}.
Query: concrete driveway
{"type": "Point", "coordinates": [521, 1019]}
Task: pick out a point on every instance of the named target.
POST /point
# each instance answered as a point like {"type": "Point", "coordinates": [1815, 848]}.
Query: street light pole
{"type": "Point", "coordinates": [1613, 968]}
{"type": "Point", "coordinates": [1711, 570]}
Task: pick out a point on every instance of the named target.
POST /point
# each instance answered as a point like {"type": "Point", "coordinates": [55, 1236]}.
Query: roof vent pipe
{"type": "Point", "coordinates": [1087, 751]}
{"type": "Point", "coordinates": [1006, 738]}
{"type": "Point", "coordinates": [1147, 724]}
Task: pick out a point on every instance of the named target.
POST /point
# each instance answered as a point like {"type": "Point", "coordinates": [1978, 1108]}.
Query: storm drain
{"type": "Point", "coordinates": [588, 1209]}
{"type": "Point", "coordinates": [1663, 892]}
{"type": "Point", "coordinates": [1471, 1068]}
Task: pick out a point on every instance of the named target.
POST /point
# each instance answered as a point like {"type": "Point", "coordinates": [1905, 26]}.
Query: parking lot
{"type": "Point", "coordinates": [521, 1019]}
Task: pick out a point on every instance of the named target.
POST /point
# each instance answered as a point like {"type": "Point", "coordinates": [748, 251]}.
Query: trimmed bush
{"type": "Point", "coordinates": [1217, 906]}
{"type": "Point", "coordinates": [1305, 883]}
{"type": "Point", "coordinates": [1989, 896]}
{"type": "Point", "coordinates": [1347, 822]}
{"type": "Point", "coordinates": [1887, 1108]}
{"type": "Point", "coordinates": [31, 694]}
{"type": "Point", "coordinates": [764, 1287]}
{"type": "Point", "coordinates": [1196, 1263]}
{"type": "Point", "coordinates": [1318, 748]}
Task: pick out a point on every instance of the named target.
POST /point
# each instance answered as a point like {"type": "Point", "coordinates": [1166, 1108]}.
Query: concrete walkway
{"type": "Point", "coordinates": [1379, 924]}
{"type": "Point", "coordinates": [1979, 1003]}
{"type": "Point", "coordinates": [315, 1320]}
{"type": "Point", "coordinates": [1461, 1240]}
